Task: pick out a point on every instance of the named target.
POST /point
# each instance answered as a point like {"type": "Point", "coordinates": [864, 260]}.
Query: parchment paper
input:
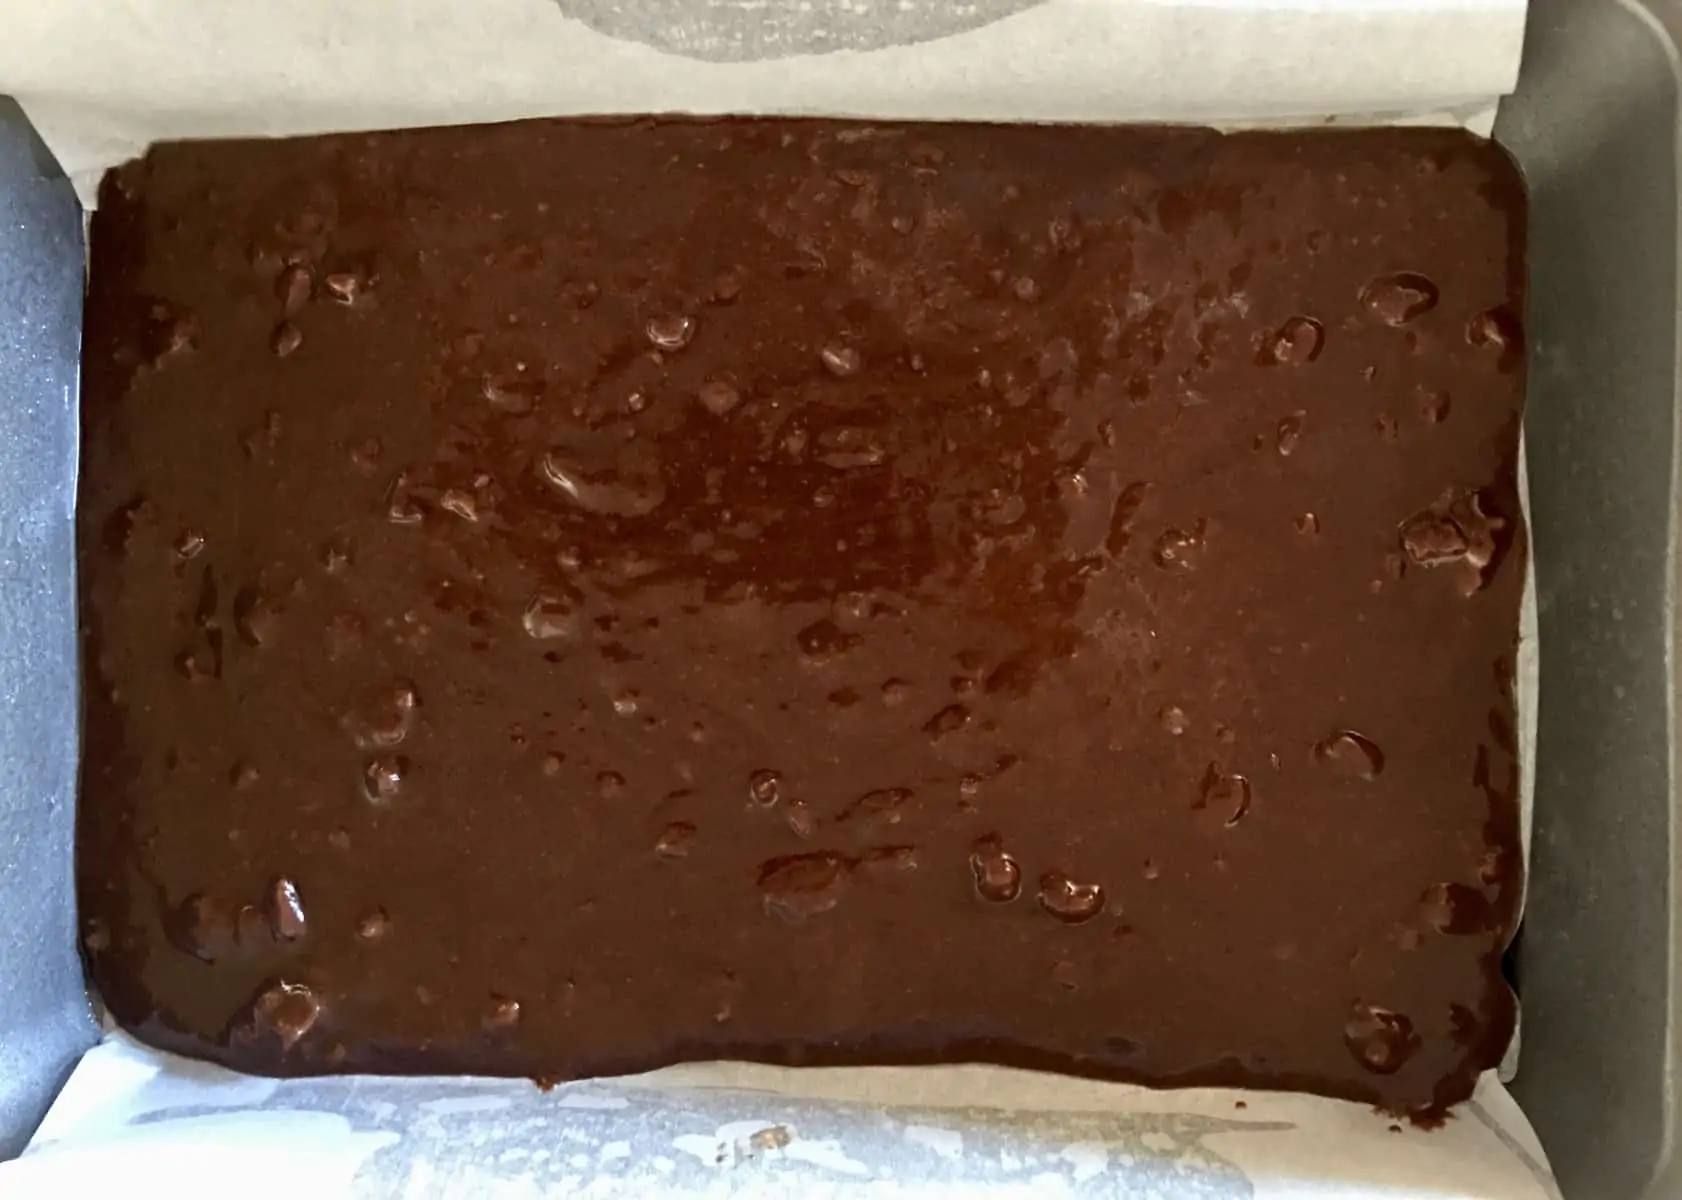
{"type": "Point", "coordinates": [103, 78]}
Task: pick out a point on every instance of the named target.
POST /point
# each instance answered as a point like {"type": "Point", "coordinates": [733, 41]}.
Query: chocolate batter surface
{"type": "Point", "coordinates": [568, 597]}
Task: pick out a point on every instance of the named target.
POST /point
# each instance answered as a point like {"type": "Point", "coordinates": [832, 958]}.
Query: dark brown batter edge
{"type": "Point", "coordinates": [568, 597]}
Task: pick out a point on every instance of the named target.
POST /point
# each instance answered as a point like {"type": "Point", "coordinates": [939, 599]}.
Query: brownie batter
{"type": "Point", "coordinates": [569, 597]}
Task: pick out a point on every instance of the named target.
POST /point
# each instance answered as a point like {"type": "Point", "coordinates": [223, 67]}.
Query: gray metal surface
{"type": "Point", "coordinates": [1595, 128]}
{"type": "Point", "coordinates": [44, 1017]}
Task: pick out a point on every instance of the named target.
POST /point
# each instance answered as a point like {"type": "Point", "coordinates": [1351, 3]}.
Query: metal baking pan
{"type": "Point", "coordinates": [1595, 126]}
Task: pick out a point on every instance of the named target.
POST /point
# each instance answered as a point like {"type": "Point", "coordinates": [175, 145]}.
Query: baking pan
{"type": "Point", "coordinates": [45, 1022]}
{"type": "Point", "coordinates": [1595, 126]}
